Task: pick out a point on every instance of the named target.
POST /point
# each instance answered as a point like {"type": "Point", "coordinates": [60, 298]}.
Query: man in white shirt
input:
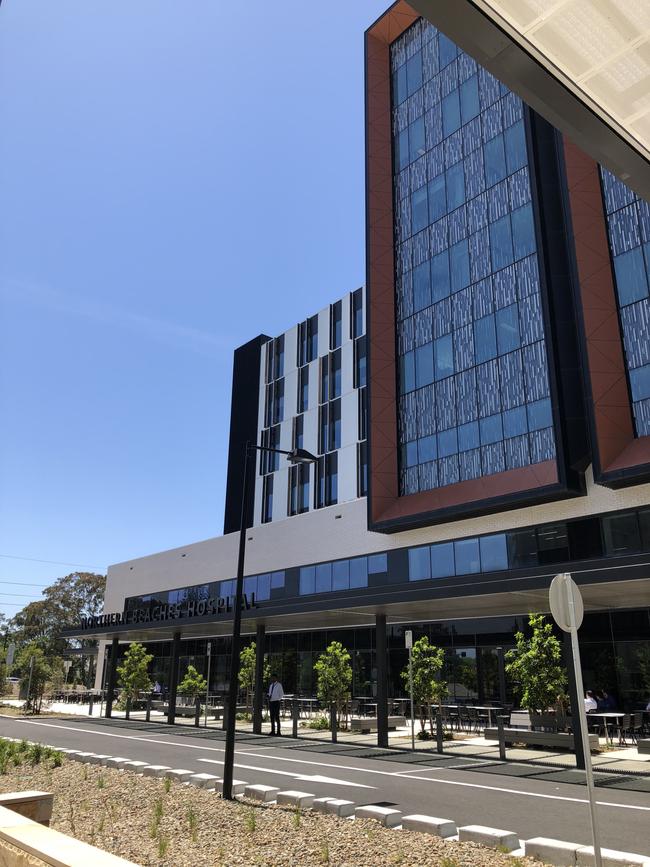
{"type": "Point", "coordinates": [590, 701]}
{"type": "Point", "coordinates": [276, 694]}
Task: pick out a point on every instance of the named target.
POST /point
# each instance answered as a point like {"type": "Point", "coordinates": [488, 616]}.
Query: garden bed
{"type": "Point", "coordinates": [155, 822]}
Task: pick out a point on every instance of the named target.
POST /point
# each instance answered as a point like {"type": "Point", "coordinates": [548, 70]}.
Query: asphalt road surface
{"type": "Point", "coordinates": [512, 796]}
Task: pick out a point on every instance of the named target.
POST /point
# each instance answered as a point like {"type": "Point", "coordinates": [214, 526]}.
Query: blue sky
{"type": "Point", "coordinates": [175, 178]}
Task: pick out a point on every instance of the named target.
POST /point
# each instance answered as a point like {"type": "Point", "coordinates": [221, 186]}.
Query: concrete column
{"type": "Point", "coordinates": [382, 680]}
{"type": "Point", "coordinates": [258, 696]}
{"type": "Point", "coordinates": [173, 678]}
{"type": "Point", "coordinates": [112, 678]}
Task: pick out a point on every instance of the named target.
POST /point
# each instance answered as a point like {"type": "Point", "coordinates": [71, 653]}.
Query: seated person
{"type": "Point", "coordinates": [590, 702]}
{"type": "Point", "coordinates": [609, 702]}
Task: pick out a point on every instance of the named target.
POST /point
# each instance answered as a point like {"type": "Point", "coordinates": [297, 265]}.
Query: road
{"type": "Point", "coordinates": [491, 794]}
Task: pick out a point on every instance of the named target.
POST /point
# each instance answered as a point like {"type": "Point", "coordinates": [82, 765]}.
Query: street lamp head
{"type": "Point", "coordinates": [301, 456]}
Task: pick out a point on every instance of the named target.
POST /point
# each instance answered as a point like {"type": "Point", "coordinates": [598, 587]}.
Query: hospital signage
{"type": "Point", "coordinates": [158, 612]}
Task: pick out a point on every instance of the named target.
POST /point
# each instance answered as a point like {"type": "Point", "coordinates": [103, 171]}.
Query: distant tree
{"type": "Point", "coordinates": [35, 671]}
{"type": "Point", "coordinates": [535, 666]}
{"type": "Point", "coordinates": [428, 689]}
{"type": "Point", "coordinates": [133, 674]}
{"type": "Point", "coordinates": [193, 684]}
{"type": "Point", "coordinates": [247, 672]}
{"type": "Point", "coordinates": [334, 677]}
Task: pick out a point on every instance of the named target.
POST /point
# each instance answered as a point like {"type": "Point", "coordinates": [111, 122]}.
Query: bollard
{"type": "Point", "coordinates": [502, 739]}
{"type": "Point", "coordinates": [148, 712]}
{"type": "Point", "coordinates": [439, 731]}
{"type": "Point", "coordinates": [333, 722]}
{"type": "Point", "coordinates": [128, 708]}
{"type": "Point", "coordinates": [197, 711]}
{"type": "Point", "coordinates": [294, 717]}
{"type": "Point", "coordinates": [90, 705]}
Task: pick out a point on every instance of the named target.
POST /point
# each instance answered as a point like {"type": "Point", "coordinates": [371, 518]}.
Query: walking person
{"type": "Point", "coordinates": [276, 694]}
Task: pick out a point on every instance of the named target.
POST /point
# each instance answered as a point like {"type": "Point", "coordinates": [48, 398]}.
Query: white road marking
{"type": "Point", "coordinates": [314, 778]}
{"type": "Point", "coordinates": [329, 765]}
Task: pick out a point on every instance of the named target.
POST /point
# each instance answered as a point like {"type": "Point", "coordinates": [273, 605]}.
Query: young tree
{"type": "Point", "coordinates": [133, 674]}
{"type": "Point", "coordinates": [334, 676]}
{"type": "Point", "coordinates": [535, 666]}
{"type": "Point", "coordinates": [35, 672]}
{"type": "Point", "coordinates": [193, 684]}
{"type": "Point", "coordinates": [427, 661]}
{"type": "Point", "coordinates": [247, 672]}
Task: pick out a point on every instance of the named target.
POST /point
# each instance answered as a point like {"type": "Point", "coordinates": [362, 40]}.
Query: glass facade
{"type": "Point", "coordinates": [474, 393]}
{"type": "Point", "coordinates": [628, 223]}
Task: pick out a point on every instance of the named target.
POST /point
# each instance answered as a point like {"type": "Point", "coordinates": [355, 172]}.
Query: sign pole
{"type": "Point", "coordinates": [207, 688]}
{"type": "Point", "coordinates": [567, 609]}
{"type": "Point", "coordinates": [408, 637]}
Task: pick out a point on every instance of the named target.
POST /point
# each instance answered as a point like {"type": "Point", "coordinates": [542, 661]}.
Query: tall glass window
{"type": "Point", "coordinates": [628, 223]}
{"type": "Point", "coordinates": [473, 369]}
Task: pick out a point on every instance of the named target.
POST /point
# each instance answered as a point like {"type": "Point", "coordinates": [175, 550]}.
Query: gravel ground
{"type": "Point", "coordinates": [135, 817]}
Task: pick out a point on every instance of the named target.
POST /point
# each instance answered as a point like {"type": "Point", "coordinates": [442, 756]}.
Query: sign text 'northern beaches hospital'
{"type": "Point", "coordinates": [159, 612]}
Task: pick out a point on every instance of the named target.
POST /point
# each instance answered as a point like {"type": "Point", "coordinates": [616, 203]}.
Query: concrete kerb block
{"type": "Point", "coordinates": [116, 762]}
{"type": "Point", "coordinates": [557, 852]}
{"type": "Point", "coordinates": [260, 792]}
{"type": "Point", "coordinates": [430, 825]}
{"type": "Point", "coordinates": [155, 770]}
{"type": "Point", "coordinates": [135, 766]}
{"type": "Point", "coordinates": [291, 798]}
{"type": "Point", "coordinates": [181, 775]}
{"type": "Point", "coordinates": [610, 857]}
{"type": "Point", "coordinates": [386, 816]}
{"type": "Point", "coordinates": [203, 781]}
{"type": "Point", "coordinates": [79, 756]}
{"type": "Point", "coordinates": [238, 787]}
{"type": "Point", "coordinates": [96, 759]}
{"type": "Point", "coordinates": [319, 804]}
{"type": "Point", "coordinates": [494, 838]}
{"type": "Point", "coordinates": [339, 807]}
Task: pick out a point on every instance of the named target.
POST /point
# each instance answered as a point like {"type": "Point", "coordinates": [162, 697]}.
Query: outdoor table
{"type": "Point", "coordinates": [614, 716]}
{"type": "Point", "coordinates": [490, 710]}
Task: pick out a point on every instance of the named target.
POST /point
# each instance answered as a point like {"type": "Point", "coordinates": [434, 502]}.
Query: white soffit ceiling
{"type": "Point", "coordinates": [583, 64]}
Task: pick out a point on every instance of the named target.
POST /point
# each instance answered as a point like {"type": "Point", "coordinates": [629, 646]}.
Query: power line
{"type": "Point", "coordinates": [18, 596]}
{"type": "Point", "coordinates": [22, 583]}
{"type": "Point", "coordinates": [51, 562]}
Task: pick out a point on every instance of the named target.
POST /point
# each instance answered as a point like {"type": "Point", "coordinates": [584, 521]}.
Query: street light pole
{"type": "Point", "coordinates": [296, 456]}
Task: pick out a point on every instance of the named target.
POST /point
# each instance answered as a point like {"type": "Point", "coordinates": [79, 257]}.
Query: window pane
{"type": "Point", "coordinates": [421, 286]}
{"type": "Point", "coordinates": [515, 142]}
{"type": "Point", "coordinates": [631, 276]}
{"type": "Point", "coordinates": [459, 266]}
{"type": "Point", "coordinates": [501, 243]}
{"type": "Point", "coordinates": [323, 577]}
{"type": "Point", "coordinates": [419, 564]}
{"type": "Point", "coordinates": [468, 436]}
{"type": "Point", "coordinates": [410, 454]}
{"type": "Point", "coordinates": [419, 210]}
{"type": "Point", "coordinates": [277, 580]}
{"type": "Point", "coordinates": [448, 442]}
{"type": "Point", "coordinates": [399, 85]}
{"type": "Point", "coordinates": [263, 587]}
{"type": "Point", "coordinates": [455, 186]}
{"type": "Point", "coordinates": [424, 364]}
{"type": "Point", "coordinates": [468, 559]}
{"type": "Point", "coordinates": [416, 139]}
{"type": "Point", "coordinates": [485, 339]}
{"type": "Point", "coordinates": [447, 50]}
{"type": "Point", "coordinates": [621, 533]}
{"type": "Point", "coordinates": [450, 113]}
{"type": "Point", "coordinates": [523, 231]}
{"type": "Point", "coordinates": [552, 544]}
{"type": "Point", "coordinates": [414, 73]}
{"type": "Point", "coordinates": [377, 563]}
{"type": "Point", "coordinates": [469, 104]}
{"type": "Point", "coordinates": [495, 160]}
{"type": "Point", "coordinates": [494, 554]}
{"type": "Point", "coordinates": [427, 449]}
{"type": "Point", "coordinates": [522, 548]}
{"type": "Point", "coordinates": [515, 422]}
{"type": "Point", "coordinates": [402, 149]}
{"type": "Point", "coordinates": [407, 372]}
{"type": "Point", "coordinates": [307, 580]}
{"type": "Point", "coordinates": [359, 572]}
{"type": "Point", "coordinates": [507, 322]}
{"type": "Point", "coordinates": [640, 382]}
{"type": "Point", "coordinates": [440, 276]}
{"type": "Point", "coordinates": [341, 575]}
{"type": "Point", "coordinates": [444, 356]}
{"type": "Point", "coordinates": [539, 414]}
{"type": "Point", "coordinates": [491, 429]}
{"type": "Point", "coordinates": [442, 560]}
{"type": "Point", "coordinates": [437, 197]}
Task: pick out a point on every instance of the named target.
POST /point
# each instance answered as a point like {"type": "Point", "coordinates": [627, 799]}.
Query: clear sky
{"type": "Point", "coordinates": [175, 178]}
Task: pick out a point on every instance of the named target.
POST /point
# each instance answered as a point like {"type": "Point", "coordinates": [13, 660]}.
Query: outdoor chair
{"type": "Point", "coordinates": [637, 725]}
{"type": "Point", "coordinates": [624, 728]}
